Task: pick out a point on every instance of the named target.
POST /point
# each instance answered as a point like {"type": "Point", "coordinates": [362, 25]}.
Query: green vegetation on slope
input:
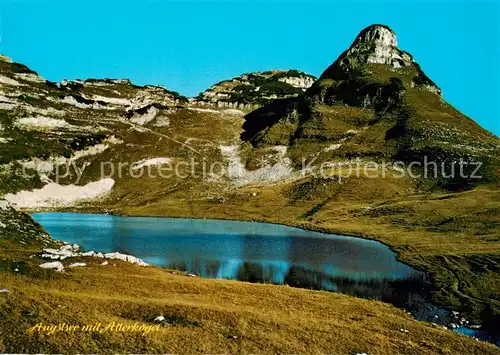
{"type": "Point", "coordinates": [447, 227]}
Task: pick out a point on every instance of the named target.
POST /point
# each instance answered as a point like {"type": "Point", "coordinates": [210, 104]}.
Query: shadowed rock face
{"type": "Point", "coordinates": [372, 73]}
{"type": "Point", "coordinates": [378, 34]}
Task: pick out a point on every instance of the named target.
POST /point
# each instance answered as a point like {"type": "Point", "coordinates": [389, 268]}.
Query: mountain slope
{"type": "Point", "coordinates": [47, 127]}
{"type": "Point", "coordinates": [375, 102]}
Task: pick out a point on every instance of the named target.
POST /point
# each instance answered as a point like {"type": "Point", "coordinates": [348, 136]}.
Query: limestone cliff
{"type": "Point", "coordinates": [372, 59]}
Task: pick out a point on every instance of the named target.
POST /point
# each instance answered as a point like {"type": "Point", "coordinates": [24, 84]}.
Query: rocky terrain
{"type": "Point", "coordinates": [287, 144]}
{"type": "Point", "coordinates": [255, 89]}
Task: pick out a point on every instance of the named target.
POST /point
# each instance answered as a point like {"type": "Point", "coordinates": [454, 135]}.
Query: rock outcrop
{"type": "Point", "coordinates": [373, 101]}
{"type": "Point", "coordinates": [255, 89]}
{"type": "Point", "coordinates": [20, 228]}
{"type": "Point", "coordinates": [377, 45]}
{"type": "Point", "coordinates": [72, 251]}
{"type": "Point", "coordinates": [56, 265]}
{"type": "Point", "coordinates": [302, 82]}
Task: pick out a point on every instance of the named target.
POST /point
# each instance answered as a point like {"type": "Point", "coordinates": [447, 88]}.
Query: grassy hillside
{"type": "Point", "coordinates": [200, 315]}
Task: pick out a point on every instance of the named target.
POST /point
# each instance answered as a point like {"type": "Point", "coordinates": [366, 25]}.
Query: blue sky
{"type": "Point", "coordinates": [188, 46]}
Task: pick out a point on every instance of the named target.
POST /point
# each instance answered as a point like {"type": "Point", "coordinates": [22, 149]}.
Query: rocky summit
{"type": "Point", "coordinates": [254, 89]}
{"type": "Point", "coordinates": [377, 44]}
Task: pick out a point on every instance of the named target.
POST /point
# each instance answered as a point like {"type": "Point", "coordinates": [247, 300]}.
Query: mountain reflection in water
{"type": "Point", "coordinates": [257, 252]}
{"type": "Point", "coordinates": [247, 251]}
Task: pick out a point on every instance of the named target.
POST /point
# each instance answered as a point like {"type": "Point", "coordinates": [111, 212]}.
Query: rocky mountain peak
{"type": "Point", "coordinates": [374, 57]}
{"type": "Point", "coordinates": [379, 35]}
{"type": "Point", "coordinates": [251, 90]}
{"type": "Point", "coordinates": [378, 44]}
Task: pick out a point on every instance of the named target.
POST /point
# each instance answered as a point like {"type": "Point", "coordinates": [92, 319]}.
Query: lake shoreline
{"type": "Point", "coordinates": [298, 226]}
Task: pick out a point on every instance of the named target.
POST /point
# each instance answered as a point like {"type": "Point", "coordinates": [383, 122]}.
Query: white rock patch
{"type": "Point", "coordinates": [72, 247]}
{"type": "Point", "coordinates": [78, 265]}
{"type": "Point", "coordinates": [70, 251]}
{"type": "Point", "coordinates": [162, 121]}
{"type": "Point", "coordinates": [113, 140]}
{"type": "Point", "coordinates": [332, 147]}
{"type": "Point", "coordinates": [93, 150]}
{"type": "Point", "coordinates": [301, 82]}
{"type": "Point", "coordinates": [70, 100]}
{"type": "Point", "coordinates": [124, 257]}
{"type": "Point", "coordinates": [5, 205]}
{"type": "Point", "coordinates": [42, 122]}
{"type": "Point", "coordinates": [7, 103]}
{"type": "Point", "coordinates": [55, 195]}
{"type": "Point", "coordinates": [150, 162]}
{"type": "Point", "coordinates": [7, 106]}
{"type": "Point", "coordinates": [203, 110]}
{"type": "Point", "coordinates": [43, 111]}
{"type": "Point", "coordinates": [112, 100]}
{"type": "Point", "coordinates": [269, 173]}
{"type": "Point", "coordinates": [31, 77]}
{"type": "Point", "coordinates": [234, 112]}
{"type": "Point", "coordinates": [145, 118]}
{"type": "Point", "coordinates": [8, 81]}
{"type": "Point", "coordinates": [4, 98]}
